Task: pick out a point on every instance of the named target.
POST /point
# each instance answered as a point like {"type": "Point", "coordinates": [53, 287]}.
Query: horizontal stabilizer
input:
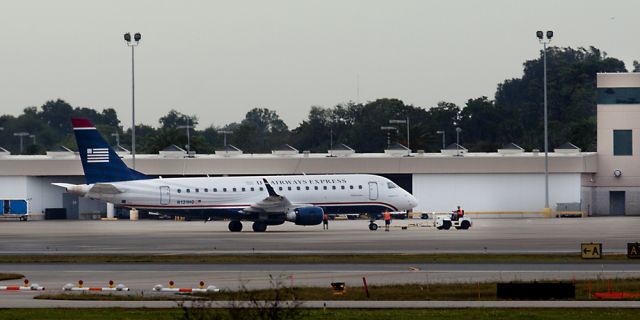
{"type": "Point", "coordinates": [105, 188]}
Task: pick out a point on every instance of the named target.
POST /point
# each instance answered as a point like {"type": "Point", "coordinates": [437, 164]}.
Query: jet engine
{"type": "Point", "coordinates": [306, 216]}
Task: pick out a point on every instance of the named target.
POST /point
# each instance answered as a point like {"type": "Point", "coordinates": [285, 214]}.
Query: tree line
{"type": "Point", "coordinates": [515, 114]}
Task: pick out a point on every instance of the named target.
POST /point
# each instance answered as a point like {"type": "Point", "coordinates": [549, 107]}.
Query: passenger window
{"type": "Point", "coordinates": [224, 189]}
{"type": "Point", "coordinates": [324, 187]}
{"type": "Point", "coordinates": [360, 187]}
{"type": "Point", "coordinates": [179, 190]}
{"type": "Point", "coordinates": [234, 189]}
{"type": "Point", "coordinates": [298, 188]}
{"type": "Point", "coordinates": [342, 187]}
{"type": "Point", "coordinates": [243, 189]}
{"type": "Point", "coordinates": [188, 190]}
{"type": "Point", "coordinates": [261, 189]}
{"type": "Point", "coordinates": [315, 187]}
{"type": "Point", "coordinates": [289, 188]}
{"type": "Point", "coordinates": [197, 190]}
{"type": "Point", "coordinates": [333, 187]}
{"type": "Point", "coordinates": [351, 187]}
{"type": "Point", "coordinates": [206, 190]}
{"type": "Point", "coordinates": [306, 188]}
{"type": "Point", "coordinates": [280, 188]}
{"type": "Point", "coordinates": [252, 189]}
{"type": "Point", "coordinates": [215, 189]}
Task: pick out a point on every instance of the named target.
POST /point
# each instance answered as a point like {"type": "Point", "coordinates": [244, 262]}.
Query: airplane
{"type": "Point", "coordinates": [265, 200]}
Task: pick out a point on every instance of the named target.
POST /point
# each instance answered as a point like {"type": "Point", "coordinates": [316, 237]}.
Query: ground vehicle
{"type": "Point", "coordinates": [446, 222]}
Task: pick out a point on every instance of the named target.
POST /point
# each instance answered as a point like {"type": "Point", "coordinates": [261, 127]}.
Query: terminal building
{"type": "Point", "coordinates": [508, 182]}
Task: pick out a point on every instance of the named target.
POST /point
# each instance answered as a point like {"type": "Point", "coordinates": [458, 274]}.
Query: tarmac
{"type": "Point", "coordinates": [347, 236]}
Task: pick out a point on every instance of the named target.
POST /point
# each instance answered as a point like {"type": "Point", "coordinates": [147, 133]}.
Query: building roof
{"type": "Point", "coordinates": [173, 148]}
{"type": "Point", "coordinates": [511, 146]}
{"type": "Point", "coordinates": [60, 148]}
{"type": "Point", "coordinates": [341, 147]}
{"type": "Point", "coordinates": [229, 148]}
{"type": "Point", "coordinates": [455, 146]}
{"type": "Point", "coordinates": [567, 146]}
{"type": "Point", "coordinates": [397, 146]}
{"type": "Point", "coordinates": [285, 147]}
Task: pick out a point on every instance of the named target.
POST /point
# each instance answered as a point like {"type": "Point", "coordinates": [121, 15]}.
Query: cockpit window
{"type": "Point", "coordinates": [391, 185]}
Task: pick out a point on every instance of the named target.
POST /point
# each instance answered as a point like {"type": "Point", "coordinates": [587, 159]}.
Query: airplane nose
{"type": "Point", "coordinates": [413, 202]}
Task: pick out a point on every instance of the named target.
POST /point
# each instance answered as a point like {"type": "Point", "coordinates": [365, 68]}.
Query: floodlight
{"type": "Point", "coordinates": [549, 34]}
{"type": "Point", "coordinates": [539, 34]}
{"type": "Point", "coordinates": [138, 36]}
{"type": "Point", "coordinates": [127, 37]}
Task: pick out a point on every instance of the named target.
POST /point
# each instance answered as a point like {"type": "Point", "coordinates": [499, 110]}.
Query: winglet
{"type": "Point", "coordinates": [269, 188]}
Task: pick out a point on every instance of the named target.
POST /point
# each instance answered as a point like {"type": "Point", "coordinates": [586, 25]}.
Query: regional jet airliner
{"type": "Point", "coordinates": [265, 200]}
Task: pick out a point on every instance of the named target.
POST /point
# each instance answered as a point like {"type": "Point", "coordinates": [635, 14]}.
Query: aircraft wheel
{"type": "Point", "coordinates": [259, 226]}
{"type": "Point", "coordinates": [235, 226]}
{"type": "Point", "coordinates": [373, 226]}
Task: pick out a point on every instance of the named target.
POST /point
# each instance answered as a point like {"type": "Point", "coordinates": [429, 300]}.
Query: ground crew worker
{"type": "Point", "coordinates": [325, 222]}
{"type": "Point", "coordinates": [387, 220]}
{"type": "Point", "coordinates": [457, 214]}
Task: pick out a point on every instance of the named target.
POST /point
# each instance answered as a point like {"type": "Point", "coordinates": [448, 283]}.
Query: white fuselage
{"type": "Point", "coordinates": [357, 191]}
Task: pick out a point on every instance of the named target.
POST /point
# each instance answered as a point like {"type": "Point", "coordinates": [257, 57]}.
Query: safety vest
{"type": "Point", "coordinates": [460, 212]}
{"type": "Point", "coordinates": [387, 216]}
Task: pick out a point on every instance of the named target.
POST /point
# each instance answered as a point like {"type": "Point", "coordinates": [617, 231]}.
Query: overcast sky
{"type": "Point", "coordinates": [219, 59]}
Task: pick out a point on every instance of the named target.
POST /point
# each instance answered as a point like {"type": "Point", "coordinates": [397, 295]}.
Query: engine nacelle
{"type": "Point", "coordinates": [306, 216]}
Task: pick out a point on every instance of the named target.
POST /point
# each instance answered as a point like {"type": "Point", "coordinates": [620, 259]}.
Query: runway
{"type": "Point", "coordinates": [350, 236]}
{"type": "Point", "coordinates": [142, 277]}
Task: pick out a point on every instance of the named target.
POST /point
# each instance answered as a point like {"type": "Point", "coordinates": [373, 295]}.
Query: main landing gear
{"type": "Point", "coordinates": [258, 226]}
{"type": "Point", "coordinates": [235, 226]}
{"type": "Point", "coordinates": [373, 226]}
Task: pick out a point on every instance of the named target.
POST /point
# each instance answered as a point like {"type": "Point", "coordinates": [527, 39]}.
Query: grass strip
{"type": "Point", "coordinates": [337, 314]}
{"type": "Point", "coordinates": [313, 258]}
{"type": "Point", "coordinates": [10, 276]}
{"type": "Point", "coordinates": [402, 292]}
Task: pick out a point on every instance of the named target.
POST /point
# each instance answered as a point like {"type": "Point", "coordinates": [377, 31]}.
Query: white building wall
{"type": "Point", "coordinates": [14, 188]}
{"type": "Point", "coordinates": [514, 192]}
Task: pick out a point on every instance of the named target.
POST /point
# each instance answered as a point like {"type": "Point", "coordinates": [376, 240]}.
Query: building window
{"type": "Point", "coordinates": [618, 95]}
{"type": "Point", "coordinates": [622, 145]}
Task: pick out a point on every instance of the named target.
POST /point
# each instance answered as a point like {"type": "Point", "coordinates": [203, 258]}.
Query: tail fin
{"type": "Point", "coordinates": [99, 161]}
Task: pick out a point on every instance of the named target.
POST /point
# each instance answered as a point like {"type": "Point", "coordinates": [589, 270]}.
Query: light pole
{"type": "Point", "coordinates": [458, 130]}
{"type": "Point", "coordinates": [225, 133]}
{"type": "Point", "coordinates": [388, 129]}
{"type": "Point", "coordinates": [544, 42]}
{"type": "Point", "coordinates": [21, 135]}
{"type": "Point", "coordinates": [136, 38]}
{"type": "Point", "coordinates": [443, 141]}
{"type": "Point", "coordinates": [408, 137]}
{"type": "Point", "coordinates": [188, 127]}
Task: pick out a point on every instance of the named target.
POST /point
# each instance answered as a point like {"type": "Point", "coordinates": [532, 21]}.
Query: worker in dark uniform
{"type": "Point", "coordinates": [387, 220]}
{"type": "Point", "coordinates": [325, 222]}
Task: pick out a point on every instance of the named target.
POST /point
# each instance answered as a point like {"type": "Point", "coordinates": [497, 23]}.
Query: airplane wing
{"type": "Point", "coordinates": [105, 188]}
{"type": "Point", "coordinates": [273, 203]}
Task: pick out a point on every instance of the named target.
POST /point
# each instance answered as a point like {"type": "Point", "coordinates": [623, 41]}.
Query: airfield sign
{"type": "Point", "coordinates": [591, 250]}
